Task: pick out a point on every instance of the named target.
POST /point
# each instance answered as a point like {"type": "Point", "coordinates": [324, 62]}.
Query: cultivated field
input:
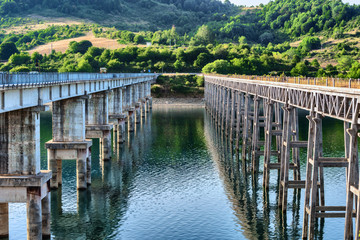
{"type": "Point", "coordinates": [62, 45]}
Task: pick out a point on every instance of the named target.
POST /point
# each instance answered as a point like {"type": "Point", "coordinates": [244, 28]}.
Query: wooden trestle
{"type": "Point", "coordinates": [245, 108]}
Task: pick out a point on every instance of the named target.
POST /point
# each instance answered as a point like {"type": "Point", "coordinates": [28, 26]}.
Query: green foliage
{"type": "Point", "coordinates": [200, 81]}
{"type": "Point", "coordinates": [309, 43]}
{"type": "Point", "coordinates": [203, 36]}
{"type": "Point", "coordinates": [19, 59]}
{"type": "Point", "coordinates": [218, 66]}
{"type": "Point", "coordinates": [300, 70]}
{"type": "Point", "coordinates": [124, 14]}
{"type": "Point", "coordinates": [20, 69]}
{"type": "Point", "coordinates": [7, 49]}
{"type": "Point", "coordinates": [79, 47]}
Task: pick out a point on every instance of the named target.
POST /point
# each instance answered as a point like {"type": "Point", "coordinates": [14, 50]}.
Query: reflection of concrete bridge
{"type": "Point", "coordinates": [84, 106]}
{"type": "Point", "coordinates": [235, 105]}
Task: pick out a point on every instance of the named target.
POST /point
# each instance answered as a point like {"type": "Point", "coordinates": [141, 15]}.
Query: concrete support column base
{"type": "Point", "coordinates": [59, 151]}
{"type": "Point", "coordinates": [131, 120]}
{"type": "Point", "coordinates": [121, 131]}
{"type": "Point", "coordinates": [34, 216]}
{"type": "Point", "coordinates": [29, 189]}
{"type": "Point", "coordinates": [103, 132]}
{"type": "Point", "coordinates": [142, 107]}
{"type": "Point", "coordinates": [4, 220]}
{"type": "Point", "coordinates": [137, 113]}
{"type": "Point", "coordinates": [81, 169]}
{"type": "Point", "coordinates": [46, 216]}
{"type": "Point", "coordinates": [147, 106]}
{"type": "Point", "coordinates": [88, 168]}
{"type": "Point", "coordinates": [150, 102]}
{"type": "Point", "coordinates": [106, 146]}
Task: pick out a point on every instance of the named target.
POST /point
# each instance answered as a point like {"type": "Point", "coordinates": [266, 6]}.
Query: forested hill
{"type": "Point", "coordinates": [132, 15]}
{"type": "Point", "coordinates": [284, 20]}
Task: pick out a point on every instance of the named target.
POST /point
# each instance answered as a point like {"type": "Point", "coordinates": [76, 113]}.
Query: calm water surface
{"type": "Point", "coordinates": [178, 178]}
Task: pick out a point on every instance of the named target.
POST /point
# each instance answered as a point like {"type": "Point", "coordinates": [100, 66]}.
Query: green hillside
{"type": "Point", "coordinates": [134, 15]}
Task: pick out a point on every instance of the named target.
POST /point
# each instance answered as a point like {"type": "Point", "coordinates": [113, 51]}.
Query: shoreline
{"type": "Point", "coordinates": [178, 102]}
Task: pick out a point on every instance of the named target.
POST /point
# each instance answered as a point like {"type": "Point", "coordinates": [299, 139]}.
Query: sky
{"type": "Point", "coordinates": [257, 2]}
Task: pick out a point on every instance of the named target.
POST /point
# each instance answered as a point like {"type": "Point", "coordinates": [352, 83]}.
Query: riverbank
{"type": "Point", "coordinates": [179, 102]}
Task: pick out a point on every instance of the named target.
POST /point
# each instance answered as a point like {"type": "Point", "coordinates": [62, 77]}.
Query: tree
{"type": "Point", "coordinates": [20, 69]}
{"type": "Point", "coordinates": [218, 66]}
{"type": "Point", "coordinates": [204, 35]}
{"type": "Point", "coordinates": [19, 58]}
{"type": "Point", "coordinates": [139, 39]}
{"type": "Point", "coordinates": [309, 43]}
{"type": "Point", "coordinates": [84, 66]}
{"type": "Point", "coordinates": [7, 49]}
{"type": "Point", "coordinates": [79, 47]}
{"type": "Point", "coordinates": [300, 70]}
{"type": "Point", "coordinates": [266, 38]}
{"type": "Point", "coordinates": [202, 60]}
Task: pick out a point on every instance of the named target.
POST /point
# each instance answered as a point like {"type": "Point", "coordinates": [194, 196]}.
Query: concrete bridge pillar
{"type": "Point", "coordinates": [69, 140]}
{"type": "Point", "coordinates": [97, 122]}
{"type": "Point", "coordinates": [143, 99]}
{"type": "Point", "coordinates": [21, 179]}
{"type": "Point", "coordinates": [130, 109]}
{"type": "Point", "coordinates": [148, 96]}
{"type": "Point", "coordinates": [136, 99]}
{"type": "Point", "coordinates": [116, 115]}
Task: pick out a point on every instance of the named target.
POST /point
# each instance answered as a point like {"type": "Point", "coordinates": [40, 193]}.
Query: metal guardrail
{"type": "Point", "coordinates": [30, 79]}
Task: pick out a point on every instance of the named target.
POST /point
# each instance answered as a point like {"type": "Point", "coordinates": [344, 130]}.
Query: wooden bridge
{"type": "Point", "coordinates": [245, 107]}
{"type": "Point", "coordinates": [84, 106]}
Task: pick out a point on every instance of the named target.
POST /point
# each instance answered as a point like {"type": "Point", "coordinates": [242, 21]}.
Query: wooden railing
{"type": "Point", "coordinates": [324, 81]}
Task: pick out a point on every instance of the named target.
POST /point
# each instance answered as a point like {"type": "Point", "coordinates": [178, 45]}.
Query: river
{"type": "Point", "coordinates": [177, 177]}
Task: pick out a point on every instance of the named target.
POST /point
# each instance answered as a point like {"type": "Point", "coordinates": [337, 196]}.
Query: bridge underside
{"type": "Point", "coordinates": [245, 108]}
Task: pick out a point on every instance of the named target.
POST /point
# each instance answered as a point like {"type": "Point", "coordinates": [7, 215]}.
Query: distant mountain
{"type": "Point", "coordinates": [133, 15]}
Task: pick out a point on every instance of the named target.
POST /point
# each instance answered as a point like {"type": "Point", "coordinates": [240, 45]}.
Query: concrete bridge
{"type": "Point", "coordinates": [84, 106]}
{"type": "Point", "coordinates": [243, 108]}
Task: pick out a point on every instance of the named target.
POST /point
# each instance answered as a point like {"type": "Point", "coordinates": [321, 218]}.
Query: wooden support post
{"type": "Point", "coordinates": [227, 110]}
{"type": "Point", "coordinates": [255, 135]}
{"type": "Point", "coordinates": [4, 220]}
{"type": "Point", "coordinates": [285, 155]}
{"type": "Point", "coordinates": [233, 114]}
{"type": "Point", "coordinates": [245, 127]}
{"type": "Point", "coordinates": [239, 119]}
{"type": "Point", "coordinates": [312, 172]}
{"type": "Point", "coordinates": [268, 141]}
{"type": "Point", "coordinates": [352, 185]}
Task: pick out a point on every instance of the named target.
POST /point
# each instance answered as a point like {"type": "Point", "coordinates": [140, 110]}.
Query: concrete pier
{"type": "Point", "coordinates": [82, 105]}
{"type": "Point", "coordinates": [20, 177]}
{"type": "Point", "coordinates": [68, 137]}
{"type": "Point", "coordinates": [97, 122]}
{"type": "Point", "coordinates": [137, 113]}
{"type": "Point", "coordinates": [131, 120]}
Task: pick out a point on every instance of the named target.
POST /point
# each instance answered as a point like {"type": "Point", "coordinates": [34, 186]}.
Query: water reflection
{"type": "Point", "coordinates": [178, 177]}
{"type": "Point", "coordinates": [256, 210]}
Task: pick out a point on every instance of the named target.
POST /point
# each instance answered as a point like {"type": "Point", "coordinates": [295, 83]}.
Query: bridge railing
{"type": "Point", "coordinates": [25, 79]}
{"type": "Point", "coordinates": [323, 81]}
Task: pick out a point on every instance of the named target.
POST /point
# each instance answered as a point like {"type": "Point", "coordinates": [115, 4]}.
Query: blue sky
{"type": "Point", "coordinates": [257, 2]}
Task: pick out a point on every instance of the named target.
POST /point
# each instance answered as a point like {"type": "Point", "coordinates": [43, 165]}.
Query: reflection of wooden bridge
{"type": "Point", "coordinates": [236, 104]}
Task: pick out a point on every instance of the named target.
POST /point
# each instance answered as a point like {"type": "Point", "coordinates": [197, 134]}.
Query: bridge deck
{"type": "Point", "coordinates": [335, 102]}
